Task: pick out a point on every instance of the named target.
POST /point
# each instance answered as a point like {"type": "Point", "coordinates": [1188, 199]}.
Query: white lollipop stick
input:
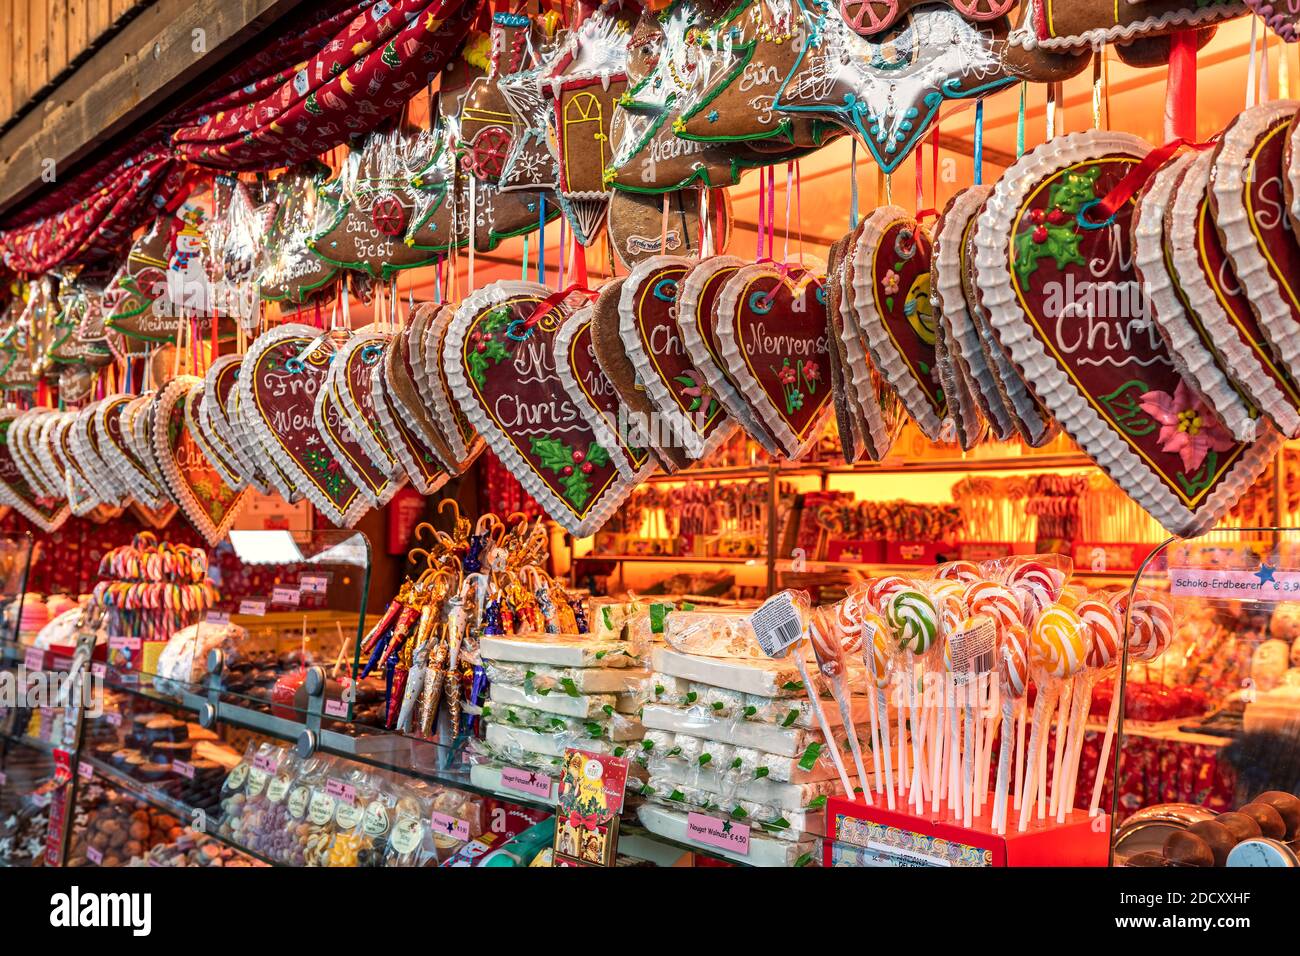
{"type": "Point", "coordinates": [954, 751]}
{"type": "Point", "coordinates": [1037, 742]}
{"type": "Point", "coordinates": [844, 700]}
{"type": "Point", "coordinates": [882, 705]}
{"type": "Point", "coordinates": [899, 698]}
{"type": "Point", "coordinates": [968, 760]}
{"type": "Point", "coordinates": [1004, 769]}
{"type": "Point", "coordinates": [936, 748]}
{"type": "Point", "coordinates": [990, 734]}
{"type": "Point", "coordinates": [811, 690]}
{"type": "Point", "coordinates": [1094, 807]}
{"type": "Point", "coordinates": [875, 738]}
{"type": "Point", "coordinates": [1022, 710]}
{"type": "Point", "coordinates": [1062, 730]}
{"type": "Point", "coordinates": [1080, 732]}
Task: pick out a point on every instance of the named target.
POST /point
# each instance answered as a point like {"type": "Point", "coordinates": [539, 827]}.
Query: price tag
{"type": "Point", "coordinates": [41, 799]}
{"type": "Point", "coordinates": [253, 608]}
{"type": "Point", "coordinates": [94, 856]}
{"type": "Point", "coordinates": [453, 827]}
{"type": "Point", "coordinates": [98, 669]}
{"type": "Point", "coordinates": [313, 583]}
{"type": "Point", "coordinates": [777, 624]}
{"type": "Point", "coordinates": [284, 596]}
{"type": "Point", "coordinates": [526, 781]}
{"type": "Point", "coordinates": [718, 833]}
{"type": "Point", "coordinates": [336, 708]}
{"type": "Point", "coordinates": [219, 618]}
{"type": "Point", "coordinates": [341, 791]}
{"type": "Point", "coordinates": [122, 643]}
{"type": "Point", "coordinates": [184, 769]}
{"type": "Point", "coordinates": [60, 663]}
{"type": "Point", "coordinates": [266, 763]}
{"type": "Point", "coordinates": [972, 650]}
{"type": "Point", "coordinates": [34, 660]}
{"type": "Point", "coordinates": [84, 770]}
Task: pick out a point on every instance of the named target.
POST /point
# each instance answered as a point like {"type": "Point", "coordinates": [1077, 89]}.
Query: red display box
{"type": "Point", "coordinates": [919, 552]}
{"type": "Point", "coordinates": [1110, 556]}
{"type": "Point", "coordinates": [863, 832]}
{"type": "Point", "coordinates": [855, 549]}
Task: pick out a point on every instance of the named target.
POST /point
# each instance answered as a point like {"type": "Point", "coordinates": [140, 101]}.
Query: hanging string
{"type": "Point", "coordinates": [437, 280]}
{"type": "Point", "coordinates": [762, 209]}
{"type": "Point", "coordinates": [523, 262]}
{"type": "Point", "coordinates": [771, 212]}
{"type": "Point", "coordinates": [798, 200]}
{"type": "Point", "coordinates": [789, 181]}
{"type": "Point", "coordinates": [978, 151]}
{"type": "Point", "coordinates": [1251, 87]}
{"type": "Point", "coordinates": [1283, 72]}
{"type": "Point", "coordinates": [1264, 91]}
{"type": "Point", "coordinates": [1096, 89]}
{"type": "Point", "coordinates": [663, 228]}
{"type": "Point", "coordinates": [564, 242]}
{"type": "Point", "coordinates": [473, 213]}
{"type": "Point", "coordinates": [853, 183]}
{"type": "Point", "coordinates": [1020, 122]}
{"type": "Point", "coordinates": [1180, 87]}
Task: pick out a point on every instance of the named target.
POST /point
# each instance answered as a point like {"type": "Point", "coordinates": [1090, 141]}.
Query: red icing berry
{"type": "Point", "coordinates": [1056, 217]}
{"type": "Point", "coordinates": [1036, 217]}
{"type": "Point", "coordinates": [566, 471]}
{"type": "Point", "coordinates": [482, 347]}
{"type": "Point", "coordinates": [578, 456]}
{"type": "Point", "coordinates": [587, 468]}
{"type": "Point", "coordinates": [1040, 235]}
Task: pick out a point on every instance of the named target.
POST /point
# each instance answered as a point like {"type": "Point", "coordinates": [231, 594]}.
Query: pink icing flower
{"type": "Point", "coordinates": [890, 283]}
{"type": "Point", "coordinates": [811, 372]}
{"type": "Point", "coordinates": [1188, 428]}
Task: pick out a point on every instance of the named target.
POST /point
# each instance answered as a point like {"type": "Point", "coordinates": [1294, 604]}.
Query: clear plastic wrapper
{"type": "Point", "coordinates": [560, 650]}
{"type": "Point", "coordinates": [618, 728]}
{"type": "Point", "coordinates": [534, 678]}
{"type": "Point", "coordinates": [725, 634]}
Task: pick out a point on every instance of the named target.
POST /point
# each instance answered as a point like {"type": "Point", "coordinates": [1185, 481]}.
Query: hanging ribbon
{"type": "Point", "coordinates": [978, 151]}
{"type": "Point", "coordinates": [1124, 190]}
{"type": "Point", "coordinates": [1180, 88]}
{"type": "Point", "coordinates": [853, 183]}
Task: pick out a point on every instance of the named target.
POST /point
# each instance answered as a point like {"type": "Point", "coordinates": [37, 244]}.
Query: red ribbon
{"type": "Point", "coordinates": [577, 820]}
{"type": "Point", "coordinates": [1137, 177]}
{"type": "Point", "coordinates": [552, 302]}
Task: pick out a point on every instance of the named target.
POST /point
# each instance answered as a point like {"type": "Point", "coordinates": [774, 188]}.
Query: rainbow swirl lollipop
{"type": "Point", "coordinates": [914, 620]}
{"type": "Point", "coordinates": [1059, 642]}
{"type": "Point", "coordinates": [1104, 627]}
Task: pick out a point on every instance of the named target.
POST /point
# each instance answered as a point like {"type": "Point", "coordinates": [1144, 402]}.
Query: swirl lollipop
{"type": "Point", "coordinates": [1104, 627]}
{"type": "Point", "coordinates": [1037, 575]}
{"type": "Point", "coordinates": [827, 642]}
{"type": "Point", "coordinates": [949, 589]}
{"type": "Point", "coordinates": [914, 620]}
{"type": "Point", "coordinates": [881, 590]}
{"type": "Point", "coordinates": [965, 572]}
{"type": "Point", "coordinates": [1059, 642]}
{"type": "Point", "coordinates": [877, 660]}
{"type": "Point", "coordinates": [1058, 647]}
{"type": "Point", "coordinates": [1013, 675]}
{"type": "Point", "coordinates": [1104, 646]}
{"type": "Point", "coordinates": [996, 600]}
{"type": "Point", "coordinates": [1153, 629]}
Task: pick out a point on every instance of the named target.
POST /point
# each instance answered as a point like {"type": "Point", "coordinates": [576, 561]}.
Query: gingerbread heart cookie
{"type": "Point", "coordinates": [1067, 307]}
{"type": "Point", "coordinates": [346, 422]}
{"type": "Point", "coordinates": [1216, 295]}
{"type": "Point", "coordinates": [595, 396]}
{"type": "Point", "coordinates": [421, 464]}
{"type": "Point", "coordinates": [46, 513]}
{"type": "Point", "coordinates": [849, 424]}
{"type": "Point", "coordinates": [194, 424]}
{"type": "Point", "coordinates": [1247, 196]}
{"type": "Point", "coordinates": [84, 442]}
{"type": "Point", "coordinates": [891, 296]}
{"type": "Point", "coordinates": [772, 329]}
{"type": "Point", "coordinates": [643, 225]}
{"type": "Point", "coordinates": [1191, 346]}
{"type": "Point", "coordinates": [644, 425]}
{"type": "Point", "coordinates": [196, 486]}
{"type": "Point", "coordinates": [431, 378]}
{"type": "Point", "coordinates": [282, 374]}
{"type": "Point", "coordinates": [218, 431]}
{"type": "Point", "coordinates": [959, 329]}
{"type": "Point", "coordinates": [517, 402]}
{"type": "Point", "coordinates": [699, 332]}
{"type": "Point", "coordinates": [115, 426]}
{"type": "Point", "coordinates": [648, 304]}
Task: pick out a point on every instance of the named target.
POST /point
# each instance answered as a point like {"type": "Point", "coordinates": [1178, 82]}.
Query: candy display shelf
{"type": "Point", "coordinates": [161, 801]}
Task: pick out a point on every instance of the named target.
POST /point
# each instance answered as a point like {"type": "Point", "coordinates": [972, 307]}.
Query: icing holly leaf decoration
{"type": "Point", "coordinates": [1055, 231]}
{"type": "Point", "coordinates": [1125, 407]}
{"type": "Point", "coordinates": [574, 466]}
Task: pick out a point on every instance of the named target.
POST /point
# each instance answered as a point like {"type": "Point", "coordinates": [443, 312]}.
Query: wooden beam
{"type": "Point", "coordinates": [126, 82]}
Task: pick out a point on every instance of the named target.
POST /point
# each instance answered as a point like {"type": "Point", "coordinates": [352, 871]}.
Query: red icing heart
{"type": "Point", "coordinates": [195, 484]}
{"type": "Point", "coordinates": [648, 305]}
{"type": "Point", "coordinates": [281, 376]}
{"type": "Point", "coordinates": [46, 513]}
{"type": "Point", "coordinates": [1068, 309]}
{"type": "Point", "coordinates": [499, 358]}
{"type": "Point", "coordinates": [775, 342]}
{"type": "Point", "coordinates": [891, 294]}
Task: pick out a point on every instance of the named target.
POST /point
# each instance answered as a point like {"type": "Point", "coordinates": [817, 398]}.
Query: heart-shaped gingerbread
{"type": "Point", "coordinates": [958, 327]}
{"type": "Point", "coordinates": [1191, 346]}
{"type": "Point", "coordinates": [196, 486]}
{"type": "Point", "coordinates": [115, 424]}
{"type": "Point", "coordinates": [516, 401]}
{"type": "Point", "coordinates": [1247, 194]}
{"type": "Point", "coordinates": [80, 490]}
{"type": "Point", "coordinates": [214, 429]}
{"type": "Point", "coordinates": [421, 464]}
{"type": "Point", "coordinates": [431, 379]}
{"type": "Point", "coordinates": [346, 421]}
{"type": "Point", "coordinates": [46, 513]}
{"type": "Point", "coordinates": [595, 396]}
{"type": "Point", "coordinates": [1066, 304]}
{"type": "Point", "coordinates": [647, 308]}
{"type": "Point", "coordinates": [891, 295]}
{"type": "Point", "coordinates": [1215, 294]}
{"type": "Point", "coordinates": [695, 321]}
{"type": "Point", "coordinates": [25, 455]}
{"type": "Point", "coordinates": [156, 518]}
{"type": "Point", "coordinates": [850, 425]}
{"type": "Point", "coordinates": [772, 329]}
{"type": "Point", "coordinates": [84, 442]}
{"type": "Point", "coordinates": [244, 436]}
{"type": "Point", "coordinates": [402, 391]}
{"type": "Point", "coordinates": [282, 374]}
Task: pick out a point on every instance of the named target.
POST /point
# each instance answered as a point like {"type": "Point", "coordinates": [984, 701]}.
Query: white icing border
{"type": "Point", "coordinates": [1027, 35]}
{"type": "Point", "coordinates": [965, 348]}
{"type": "Point", "coordinates": [180, 389]}
{"type": "Point", "coordinates": [328, 395]}
{"type": "Point", "coordinates": [1292, 160]}
{"type": "Point", "coordinates": [395, 367]}
{"type": "Point", "coordinates": [714, 374]}
{"type": "Point", "coordinates": [102, 479]}
{"type": "Point", "coordinates": [1238, 358]}
{"type": "Point", "coordinates": [129, 476]}
{"type": "Point", "coordinates": [20, 451]}
{"type": "Point", "coordinates": [384, 402]}
{"type": "Point", "coordinates": [1084, 424]}
{"type": "Point", "coordinates": [871, 324]}
{"type": "Point", "coordinates": [247, 441]}
{"type": "Point", "coordinates": [435, 336]}
{"type": "Point", "coordinates": [363, 430]}
{"type": "Point", "coordinates": [697, 445]}
{"type": "Point", "coordinates": [860, 374]}
{"type": "Point", "coordinates": [220, 434]}
{"type": "Point", "coordinates": [728, 304]}
{"type": "Point", "coordinates": [20, 504]}
{"type": "Point", "coordinates": [194, 422]}
{"type": "Point", "coordinates": [595, 418]}
{"type": "Point", "coordinates": [269, 444]}
{"type": "Point", "coordinates": [497, 293]}
{"type": "Point", "coordinates": [46, 455]}
{"type": "Point", "coordinates": [1196, 361]}
{"type": "Point", "coordinates": [1232, 164]}
{"type": "Point", "coordinates": [141, 439]}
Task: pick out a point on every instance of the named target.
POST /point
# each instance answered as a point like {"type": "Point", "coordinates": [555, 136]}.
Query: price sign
{"type": "Point", "coordinates": [314, 583]}
{"type": "Point", "coordinates": [253, 608]}
{"type": "Point", "coordinates": [718, 833]}
{"type": "Point", "coordinates": [526, 781]}
{"type": "Point", "coordinates": [285, 596]}
{"type": "Point", "coordinates": [184, 769]}
{"type": "Point", "coordinates": [34, 660]}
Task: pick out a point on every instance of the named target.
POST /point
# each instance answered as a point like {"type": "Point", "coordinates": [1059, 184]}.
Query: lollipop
{"type": "Point", "coordinates": [849, 623]}
{"type": "Point", "coordinates": [996, 600]}
{"type": "Point", "coordinates": [1103, 631]}
{"type": "Point", "coordinates": [878, 664]}
{"type": "Point", "coordinates": [879, 659]}
{"type": "Point", "coordinates": [1013, 661]}
{"type": "Point", "coordinates": [826, 643]}
{"type": "Point", "coordinates": [1013, 671]}
{"type": "Point", "coordinates": [914, 620]}
{"type": "Point", "coordinates": [1153, 629]}
{"type": "Point", "coordinates": [965, 572]}
{"type": "Point", "coordinates": [1059, 642]}
{"type": "Point", "coordinates": [1037, 576]}
{"type": "Point", "coordinates": [881, 590]}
